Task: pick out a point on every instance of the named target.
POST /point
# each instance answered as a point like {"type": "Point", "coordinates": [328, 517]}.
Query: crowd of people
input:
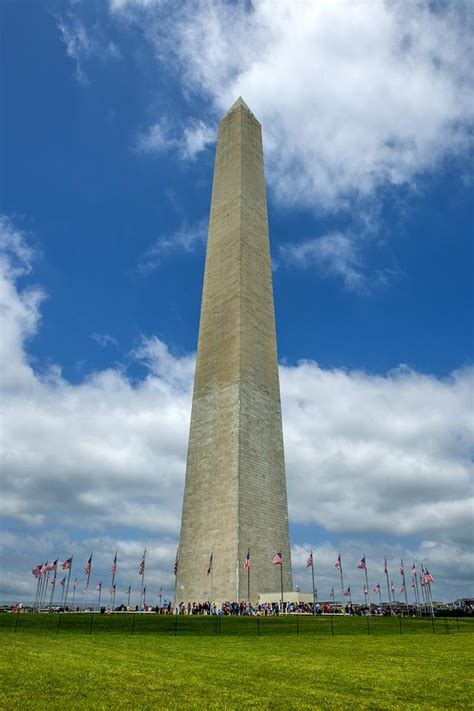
{"type": "Point", "coordinates": [265, 609]}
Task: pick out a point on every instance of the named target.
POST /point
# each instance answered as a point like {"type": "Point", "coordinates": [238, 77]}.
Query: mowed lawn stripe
{"type": "Point", "coordinates": [113, 671]}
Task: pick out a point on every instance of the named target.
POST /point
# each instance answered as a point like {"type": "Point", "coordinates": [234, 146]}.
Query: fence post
{"type": "Point", "coordinates": [368, 625]}
{"type": "Point", "coordinates": [400, 620]}
{"type": "Point", "coordinates": [16, 619]}
{"type": "Point", "coordinates": [92, 622]}
{"type": "Point", "coordinates": [59, 622]}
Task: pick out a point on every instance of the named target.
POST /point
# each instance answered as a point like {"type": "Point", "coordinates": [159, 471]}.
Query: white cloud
{"type": "Point", "coordinates": [104, 339]}
{"type": "Point", "coordinates": [83, 42]}
{"type": "Point", "coordinates": [388, 456]}
{"type": "Point", "coordinates": [334, 254]}
{"type": "Point", "coordinates": [184, 239]}
{"type": "Point", "coordinates": [194, 138]}
{"type": "Point", "coordinates": [352, 96]}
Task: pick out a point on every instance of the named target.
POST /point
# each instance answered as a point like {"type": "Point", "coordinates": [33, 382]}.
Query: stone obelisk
{"type": "Point", "coordinates": [235, 498]}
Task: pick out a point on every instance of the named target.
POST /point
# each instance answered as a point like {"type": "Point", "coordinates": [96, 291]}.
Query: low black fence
{"type": "Point", "coordinates": [153, 624]}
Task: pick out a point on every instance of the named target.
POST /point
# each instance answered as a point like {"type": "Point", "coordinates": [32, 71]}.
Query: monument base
{"type": "Point", "coordinates": [292, 596]}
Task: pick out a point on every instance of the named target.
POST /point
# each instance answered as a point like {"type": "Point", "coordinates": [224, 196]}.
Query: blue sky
{"type": "Point", "coordinates": [110, 112]}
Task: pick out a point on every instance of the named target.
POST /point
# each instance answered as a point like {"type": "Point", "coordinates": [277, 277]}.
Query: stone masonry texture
{"type": "Point", "coordinates": [235, 496]}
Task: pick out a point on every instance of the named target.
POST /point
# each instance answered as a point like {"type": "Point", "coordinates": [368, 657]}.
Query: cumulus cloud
{"type": "Point", "coordinates": [100, 464]}
{"type": "Point", "coordinates": [387, 454]}
{"type": "Point", "coordinates": [185, 239]}
{"type": "Point", "coordinates": [352, 96]}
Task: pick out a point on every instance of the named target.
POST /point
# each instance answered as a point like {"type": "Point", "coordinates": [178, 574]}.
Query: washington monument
{"type": "Point", "coordinates": [235, 499]}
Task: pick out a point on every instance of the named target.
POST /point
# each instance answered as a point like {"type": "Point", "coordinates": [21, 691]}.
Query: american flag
{"type": "Point", "coordinates": [176, 564]}
{"type": "Point", "coordinates": [88, 565]}
{"type": "Point", "coordinates": [402, 569]}
{"type": "Point", "coordinates": [413, 570]}
{"type": "Point", "coordinates": [209, 567]}
{"type": "Point", "coordinates": [247, 561]}
{"type": "Point", "coordinates": [385, 568]}
{"type": "Point", "coordinates": [366, 592]}
{"type": "Point", "coordinates": [377, 588]}
{"type": "Point", "coordinates": [37, 571]}
{"type": "Point", "coordinates": [52, 566]}
{"type": "Point", "coordinates": [309, 560]}
{"type": "Point", "coordinates": [141, 567]}
{"type": "Point", "coordinates": [61, 582]}
{"type": "Point", "coordinates": [428, 577]}
{"type": "Point", "coordinates": [277, 559]}
{"type": "Point", "coordinates": [361, 564]}
{"type": "Point", "coordinates": [331, 594]}
{"type": "Point", "coordinates": [114, 565]}
{"type": "Point", "coordinates": [67, 564]}
{"type": "Point", "coordinates": [44, 568]}
{"type": "Point", "coordinates": [347, 592]}
{"type": "Point", "coordinates": [338, 562]}
{"type": "Point", "coordinates": [403, 588]}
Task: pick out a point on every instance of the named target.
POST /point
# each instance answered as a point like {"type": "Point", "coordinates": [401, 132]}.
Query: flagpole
{"type": "Point", "coordinates": [248, 584]}
{"type": "Point", "coordinates": [423, 595]}
{"type": "Point", "coordinates": [402, 568]}
{"type": "Point", "coordinates": [367, 584]}
{"type": "Point", "coordinates": [54, 586]}
{"type": "Point", "coordinates": [388, 586]}
{"type": "Point", "coordinates": [281, 578]}
{"type": "Point", "coordinates": [431, 599]}
{"type": "Point", "coordinates": [312, 580]}
{"type": "Point", "coordinates": [62, 595]}
{"type": "Point", "coordinates": [342, 578]}
{"type": "Point", "coordinates": [142, 594]}
{"type": "Point", "coordinates": [88, 580]}
{"type": "Point", "coordinates": [380, 594]}
{"type": "Point", "coordinates": [45, 589]}
{"type": "Point", "coordinates": [43, 579]}
{"type": "Point", "coordinates": [67, 584]}
{"type": "Point", "coordinates": [112, 587]}
{"type": "Point", "coordinates": [38, 581]}
{"type": "Point", "coordinates": [417, 592]}
{"type": "Point", "coordinates": [176, 566]}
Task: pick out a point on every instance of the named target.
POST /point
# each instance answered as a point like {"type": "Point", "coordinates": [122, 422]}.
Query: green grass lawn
{"type": "Point", "coordinates": [112, 670]}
